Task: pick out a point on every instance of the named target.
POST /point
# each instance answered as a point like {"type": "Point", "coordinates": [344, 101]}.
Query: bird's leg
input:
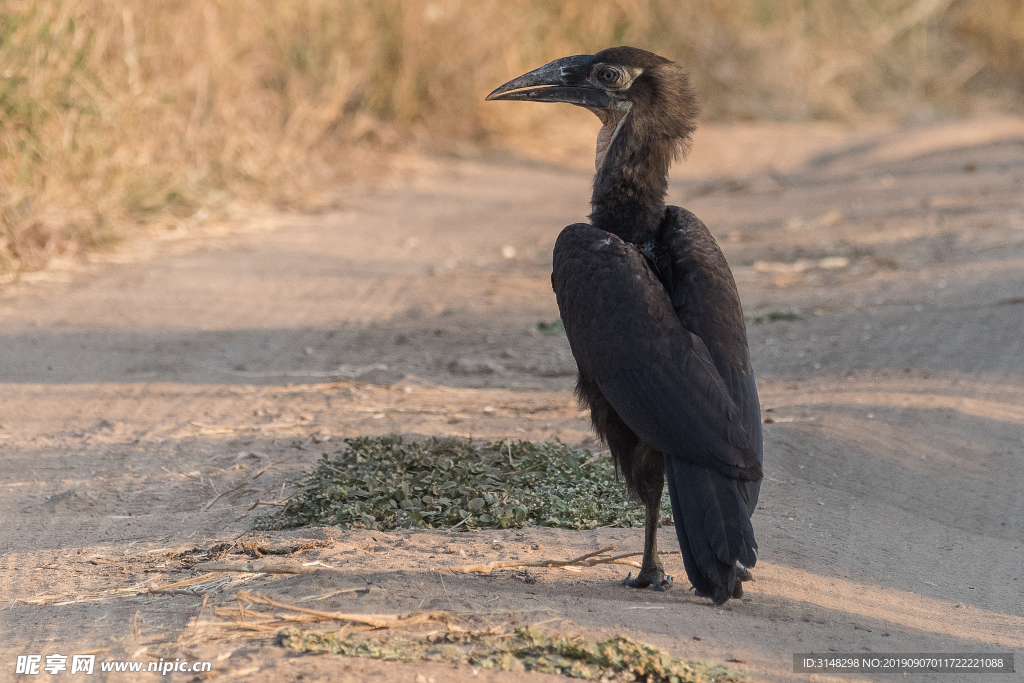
{"type": "Point", "coordinates": [652, 572]}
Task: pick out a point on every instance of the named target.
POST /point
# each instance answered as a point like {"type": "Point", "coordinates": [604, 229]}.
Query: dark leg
{"type": "Point", "coordinates": [650, 484]}
{"type": "Point", "coordinates": [644, 471]}
{"type": "Point", "coordinates": [652, 572]}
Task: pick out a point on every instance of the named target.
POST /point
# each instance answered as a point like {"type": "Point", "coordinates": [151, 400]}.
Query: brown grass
{"type": "Point", "coordinates": [114, 114]}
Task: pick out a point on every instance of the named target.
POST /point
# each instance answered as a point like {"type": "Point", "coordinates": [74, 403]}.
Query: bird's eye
{"type": "Point", "coordinates": [608, 75]}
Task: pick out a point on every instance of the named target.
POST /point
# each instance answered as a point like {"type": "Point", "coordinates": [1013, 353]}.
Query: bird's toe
{"type": "Point", "coordinates": [639, 582]}
{"type": "Point", "coordinates": [651, 577]}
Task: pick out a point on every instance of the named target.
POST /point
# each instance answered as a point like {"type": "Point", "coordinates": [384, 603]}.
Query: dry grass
{"type": "Point", "coordinates": [113, 114]}
{"type": "Point", "coordinates": [588, 560]}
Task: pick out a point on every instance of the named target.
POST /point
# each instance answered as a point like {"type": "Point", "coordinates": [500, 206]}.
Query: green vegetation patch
{"type": "Point", "coordinates": [525, 649]}
{"type": "Point", "coordinates": [552, 329]}
{"type": "Point", "coordinates": [773, 316]}
{"type": "Point", "coordinates": [387, 483]}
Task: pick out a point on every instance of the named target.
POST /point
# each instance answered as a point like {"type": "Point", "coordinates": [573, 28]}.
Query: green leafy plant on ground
{"type": "Point", "coordinates": [553, 328]}
{"type": "Point", "coordinates": [388, 483]}
{"type": "Point", "coordinates": [774, 316]}
{"type": "Point", "coordinates": [525, 649]}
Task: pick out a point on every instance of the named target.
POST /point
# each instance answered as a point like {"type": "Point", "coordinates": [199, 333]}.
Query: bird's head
{"type": "Point", "coordinates": [622, 85]}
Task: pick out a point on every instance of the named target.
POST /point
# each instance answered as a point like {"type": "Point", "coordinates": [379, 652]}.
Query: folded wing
{"type": "Point", "coordinates": [659, 377]}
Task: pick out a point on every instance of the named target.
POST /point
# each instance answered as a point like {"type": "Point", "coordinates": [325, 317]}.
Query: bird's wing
{"type": "Point", "coordinates": [706, 301]}
{"type": "Point", "coordinates": [659, 377]}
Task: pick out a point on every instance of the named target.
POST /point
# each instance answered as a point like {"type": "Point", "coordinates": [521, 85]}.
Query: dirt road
{"type": "Point", "coordinates": [151, 407]}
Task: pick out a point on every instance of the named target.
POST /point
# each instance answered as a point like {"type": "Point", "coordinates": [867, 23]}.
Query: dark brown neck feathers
{"type": "Point", "coordinates": [630, 185]}
{"type": "Point", "coordinates": [632, 178]}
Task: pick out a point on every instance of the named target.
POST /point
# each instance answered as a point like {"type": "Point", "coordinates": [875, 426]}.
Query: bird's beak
{"type": "Point", "coordinates": [563, 80]}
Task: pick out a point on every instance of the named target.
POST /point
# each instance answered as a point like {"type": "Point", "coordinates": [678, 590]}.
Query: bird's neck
{"type": "Point", "coordinates": [631, 180]}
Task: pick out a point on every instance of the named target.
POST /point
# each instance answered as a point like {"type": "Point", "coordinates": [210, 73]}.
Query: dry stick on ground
{"type": "Point", "coordinates": [127, 591]}
{"type": "Point", "coordinates": [195, 624]}
{"type": "Point", "coordinates": [263, 623]}
{"type": "Point", "coordinates": [262, 568]}
{"type": "Point", "coordinates": [188, 586]}
{"type": "Point", "coordinates": [342, 591]}
{"type": "Point", "coordinates": [244, 483]}
{"type": "Point", "coordinates": [242, 618]}
{"type": "Point", "coordinates": [374, 620]}
{"type": "Point", "coordinates": [184, 583]}
{"type": "Point", "coordinates": [588, 560]}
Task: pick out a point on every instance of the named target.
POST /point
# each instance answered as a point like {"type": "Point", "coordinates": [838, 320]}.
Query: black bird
{"type": "Point", "coordinates": [653, 317]}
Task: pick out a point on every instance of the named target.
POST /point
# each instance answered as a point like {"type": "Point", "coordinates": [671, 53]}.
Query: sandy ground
{"type": "Point", "coordinates": [149, 402]}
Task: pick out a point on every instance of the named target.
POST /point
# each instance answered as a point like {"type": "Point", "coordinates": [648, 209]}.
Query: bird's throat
{"type": "Point", "coordinates": [631, 179]}
{"type": "Point", "coordinates": [613, 121]}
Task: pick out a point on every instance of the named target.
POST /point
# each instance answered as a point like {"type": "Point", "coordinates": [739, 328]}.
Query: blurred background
{"type": "Point", "coordinates": [116, 116]}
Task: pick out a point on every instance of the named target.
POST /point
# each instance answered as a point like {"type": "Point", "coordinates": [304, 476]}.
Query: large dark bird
{"type": "Point", "coordinates": [653, 317]}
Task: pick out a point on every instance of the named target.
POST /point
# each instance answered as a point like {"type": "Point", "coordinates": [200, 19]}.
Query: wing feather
{"type": "Point", "coordinates": [658, 376]}
{"type": "Point", "coordinates": [704, 296]}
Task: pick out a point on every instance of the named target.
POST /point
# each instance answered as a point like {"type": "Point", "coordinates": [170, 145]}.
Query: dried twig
{"type": "Point", "coordinates": [588, 560]}
{"type": "Point", "coordinates": [243, 484]}
{"type": "Point", "coordinates": [94, 596]}
{"type": "Point", "coordinates": [249, 626]}
{"type": "Point", "coordinates": [374, 620]}
{"type": "Point", "coordinates": [261, 568]}
{"type": "Point", "coordinates": [342, 591]}
{"type": "Point", "coordinates": [193, 586]}
{"type": "Point", "coordinates": [184, 583]}
{"type": "Point", "coordinates": [195, 623]}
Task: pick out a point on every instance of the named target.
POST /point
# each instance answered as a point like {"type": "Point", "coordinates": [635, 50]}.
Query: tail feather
{"type": "Point", "coordinates": [713, 527]}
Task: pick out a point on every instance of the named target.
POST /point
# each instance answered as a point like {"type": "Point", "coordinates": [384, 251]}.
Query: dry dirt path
{"type": "Point", "coordinates": [140, 400]}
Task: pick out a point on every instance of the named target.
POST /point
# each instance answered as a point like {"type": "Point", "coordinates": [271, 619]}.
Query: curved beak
{"type": "Point", "coordinates": [563, 80]}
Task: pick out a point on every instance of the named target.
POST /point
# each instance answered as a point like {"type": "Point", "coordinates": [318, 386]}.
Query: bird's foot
{"type": "Point", "coordinates": [653, 578]}
{"type": "Point", "coordinates": [742, 574]}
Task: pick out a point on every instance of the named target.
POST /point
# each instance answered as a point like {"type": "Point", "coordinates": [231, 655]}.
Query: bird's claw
{"type": "Point", "coordinates": [638, 582]}
{"type": "Point", "coordinates": [656, 580]}
{"type": "Point", "coordinates": [742, 574]}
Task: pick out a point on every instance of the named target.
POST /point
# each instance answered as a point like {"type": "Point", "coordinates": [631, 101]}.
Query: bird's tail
{"type": "Point", "coordinates": [713, 527]}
